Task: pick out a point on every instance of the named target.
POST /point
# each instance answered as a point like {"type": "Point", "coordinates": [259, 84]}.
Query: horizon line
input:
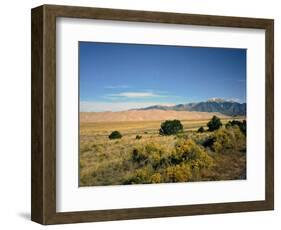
{"type": "Point", "coordinates": [94, 106]}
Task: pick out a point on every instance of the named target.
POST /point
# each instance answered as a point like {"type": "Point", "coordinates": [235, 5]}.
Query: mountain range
{"type": "Point", "coordinates": [214, 105]}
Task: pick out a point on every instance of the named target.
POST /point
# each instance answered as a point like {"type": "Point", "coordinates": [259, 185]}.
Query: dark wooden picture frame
{"type": "Point", "coordinates": [43, 189]}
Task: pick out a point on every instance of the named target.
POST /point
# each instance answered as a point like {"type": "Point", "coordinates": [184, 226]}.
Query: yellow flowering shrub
{"type": "Point", "coordinates": [156, 178]}
{"type": "Point", "coordinates": [141, 176]}
{"type": "Point", "coordinates": [194, 154]}
{"type": "Point", "coordinates": [230, 138]}
{"type": "Point", "coordinates": [150, 153]}
{"type": "Point", "coordinates": [178, 173]}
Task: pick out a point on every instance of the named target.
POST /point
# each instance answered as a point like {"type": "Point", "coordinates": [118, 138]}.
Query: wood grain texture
{"type": "Point", "coordinates": [37, 116]}
{"type": "Point", "coordinates": [44, 114]}
{"type": "Point", "coordinates": [269, 116]}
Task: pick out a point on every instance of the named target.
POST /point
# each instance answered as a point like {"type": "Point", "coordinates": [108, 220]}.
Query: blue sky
{"type": "Point", "coordinates": [116, 77]}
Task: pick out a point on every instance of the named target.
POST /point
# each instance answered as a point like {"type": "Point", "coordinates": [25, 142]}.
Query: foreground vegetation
{"type": "Point", "coordinates": [148, 152]}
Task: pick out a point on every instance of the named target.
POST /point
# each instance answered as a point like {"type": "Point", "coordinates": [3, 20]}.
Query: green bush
{"type": "Point", "coordinates": [115, 135]}
{"type": "Point", "coordinates": [171, 127]}
{"type": "Point", "coordinates": [201, 130]}
{"type": "Point", "coordinates": [138, 137]}
{"type": "Point", "coordinates": [208, 142]}
{"type": "Point", "coordinates": [214, 123]}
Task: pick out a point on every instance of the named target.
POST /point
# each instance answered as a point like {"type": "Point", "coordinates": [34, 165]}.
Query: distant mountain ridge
{"type": "Point", "coordinates": [214, 105]}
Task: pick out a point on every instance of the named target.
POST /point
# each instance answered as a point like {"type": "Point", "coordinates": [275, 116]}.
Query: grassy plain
{"type": "Point", "coordinates": [111, 162]}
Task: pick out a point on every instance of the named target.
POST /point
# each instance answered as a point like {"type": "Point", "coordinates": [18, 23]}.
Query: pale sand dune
{"type": "Point", "coordinates": [146, 115]}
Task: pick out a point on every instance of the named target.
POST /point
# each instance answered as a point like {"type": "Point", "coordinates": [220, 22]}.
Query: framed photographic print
{"type": "Point", "coordinates": [141, 114]}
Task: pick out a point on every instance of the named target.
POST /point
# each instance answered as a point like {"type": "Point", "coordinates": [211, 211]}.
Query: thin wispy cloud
{"type": "Point", "coordinates": [136, 95]}
{"type": "Point", "coordinates": [141, 96]}
{"type": "Point", "coordinates": [234, 100]}
{"type": "Point", "coordinates": [216, 99]}
{"type": "Point", "coordinates": [116, 86]}
{"type": "Point", "coordinates": [96, 106]}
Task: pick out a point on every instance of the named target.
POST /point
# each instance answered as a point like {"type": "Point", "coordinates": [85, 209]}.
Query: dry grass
{"type": "Point", "coordinates": [109, 162]}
